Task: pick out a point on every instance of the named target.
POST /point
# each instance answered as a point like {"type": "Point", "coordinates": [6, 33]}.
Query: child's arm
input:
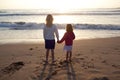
{"type": "Point", "coordinates": [56, 33]}
{"type": "Point", "coordinates": [63, 38]}
{"type": "Point", "coordinates": [73, 36]}
{"type": "Point", "coordinates": [44, 33]}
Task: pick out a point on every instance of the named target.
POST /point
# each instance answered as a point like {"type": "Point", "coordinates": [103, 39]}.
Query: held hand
{"type": "Point", "coordinates": [58, 41]}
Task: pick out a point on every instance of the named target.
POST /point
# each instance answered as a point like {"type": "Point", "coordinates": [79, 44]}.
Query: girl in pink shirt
{"type": "Point", "coordinates": [68, 37]}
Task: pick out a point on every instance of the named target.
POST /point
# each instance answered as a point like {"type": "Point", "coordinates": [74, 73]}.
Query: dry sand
{"type": "Point", "coordinates": [93, 59]}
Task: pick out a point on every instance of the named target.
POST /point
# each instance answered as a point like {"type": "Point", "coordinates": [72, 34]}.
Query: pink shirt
{"type": "Point", "coordinates": [68, 38]}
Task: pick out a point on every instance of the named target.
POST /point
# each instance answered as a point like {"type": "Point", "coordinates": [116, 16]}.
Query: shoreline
{"type": "Point", "coordinates": [92, 59]}
{"type": "Point", "coordinates": [40, 41]}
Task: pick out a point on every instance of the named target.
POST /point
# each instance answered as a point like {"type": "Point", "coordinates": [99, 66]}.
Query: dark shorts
{"type": "Point", "coordinates": [49, 44]}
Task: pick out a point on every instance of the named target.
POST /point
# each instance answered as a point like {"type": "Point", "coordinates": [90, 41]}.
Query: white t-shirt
{"type": "Point", "coordinates": [50, 32]}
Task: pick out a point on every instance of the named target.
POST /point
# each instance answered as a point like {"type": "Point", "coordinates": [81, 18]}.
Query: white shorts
{"type": "Point", "coordinates": [68, 48]}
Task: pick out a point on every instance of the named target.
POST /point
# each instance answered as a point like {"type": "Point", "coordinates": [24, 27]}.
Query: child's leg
{"type": "Point", "coordinates": [47, 54]}
{"type": "Point", "coordinates": [70, 55]}
{"type": "Point", "coordinates": [52, 52]}
{"type": "Point", "coordinates": [67, 53]}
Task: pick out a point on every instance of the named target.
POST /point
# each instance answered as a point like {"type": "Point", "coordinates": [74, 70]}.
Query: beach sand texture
{"type": "Point", "coordinates": [93, 59]}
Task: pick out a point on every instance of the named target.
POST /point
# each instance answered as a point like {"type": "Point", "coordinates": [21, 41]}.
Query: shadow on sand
{"type": "Point", "coordinates": [47, 75]}
{"type": "Point", "coordinates": [43, 72]}
{"type": "Point", "coordinates": [70, 72]}
{"type": "Point", "coordinates": [50, 70]}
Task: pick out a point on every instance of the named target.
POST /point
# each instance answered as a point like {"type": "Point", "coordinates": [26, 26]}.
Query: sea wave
{"type": "Point", "coordinates": [80, 13]}
{"type": "Point", "coordinates": [32, 26]}
{"type": "Point", "coordinates": [34, 12]}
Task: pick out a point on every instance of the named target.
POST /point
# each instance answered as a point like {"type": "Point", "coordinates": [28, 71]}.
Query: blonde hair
{"type": "Point", "coordinates": [49, 20]}
{"type": "Point", "coordinates": [69, 28]}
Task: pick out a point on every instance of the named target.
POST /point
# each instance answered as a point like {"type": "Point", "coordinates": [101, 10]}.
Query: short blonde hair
{"type": "Point", "coordinates": [69, 28]}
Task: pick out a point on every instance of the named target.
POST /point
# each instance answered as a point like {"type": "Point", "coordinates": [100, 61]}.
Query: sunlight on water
{"type": "Point", "coordinates": [87, 19]}
{"type": "Point", "coordinates": [63, 19]}
{"type": "Point", "coordinates": [26, 36]}
{"type": "Point", "coordinates": [26, 25]}
{"type": "Point", "coordinates": [61, 33]}
{"type": "Point", "coordinates": [76, 16]}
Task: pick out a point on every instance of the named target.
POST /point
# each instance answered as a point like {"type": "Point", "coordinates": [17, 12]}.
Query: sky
{"type": "Point", "coordinates": [58, 4]}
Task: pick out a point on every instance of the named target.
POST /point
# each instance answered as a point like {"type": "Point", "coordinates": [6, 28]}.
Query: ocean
{"type": "Point", "coordinates": [25, 25]}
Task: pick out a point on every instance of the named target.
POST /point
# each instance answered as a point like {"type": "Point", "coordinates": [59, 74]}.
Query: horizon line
{"type": "Point", "coordinates": [68, 9]}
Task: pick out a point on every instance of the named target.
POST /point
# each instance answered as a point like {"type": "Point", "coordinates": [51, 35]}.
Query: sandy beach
{"type": "Point", "coordinates": [93, 59]}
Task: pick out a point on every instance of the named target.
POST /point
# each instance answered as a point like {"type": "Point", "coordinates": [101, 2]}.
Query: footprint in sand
{"type": "Point", "coordinates": [31, 49]}
{"type": "Point", "coordinates": [78, 54]}
{"type": "Point", "coordinates": [116, 72]}
{"type": "Point", "coordinates": [94, 71]}
{"type": "Point", "coordinates": [116, 66]}
{"type": "Point", "coordinates": [13, 67]}
{"type": "Point", "coordinates": [100, 78]}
